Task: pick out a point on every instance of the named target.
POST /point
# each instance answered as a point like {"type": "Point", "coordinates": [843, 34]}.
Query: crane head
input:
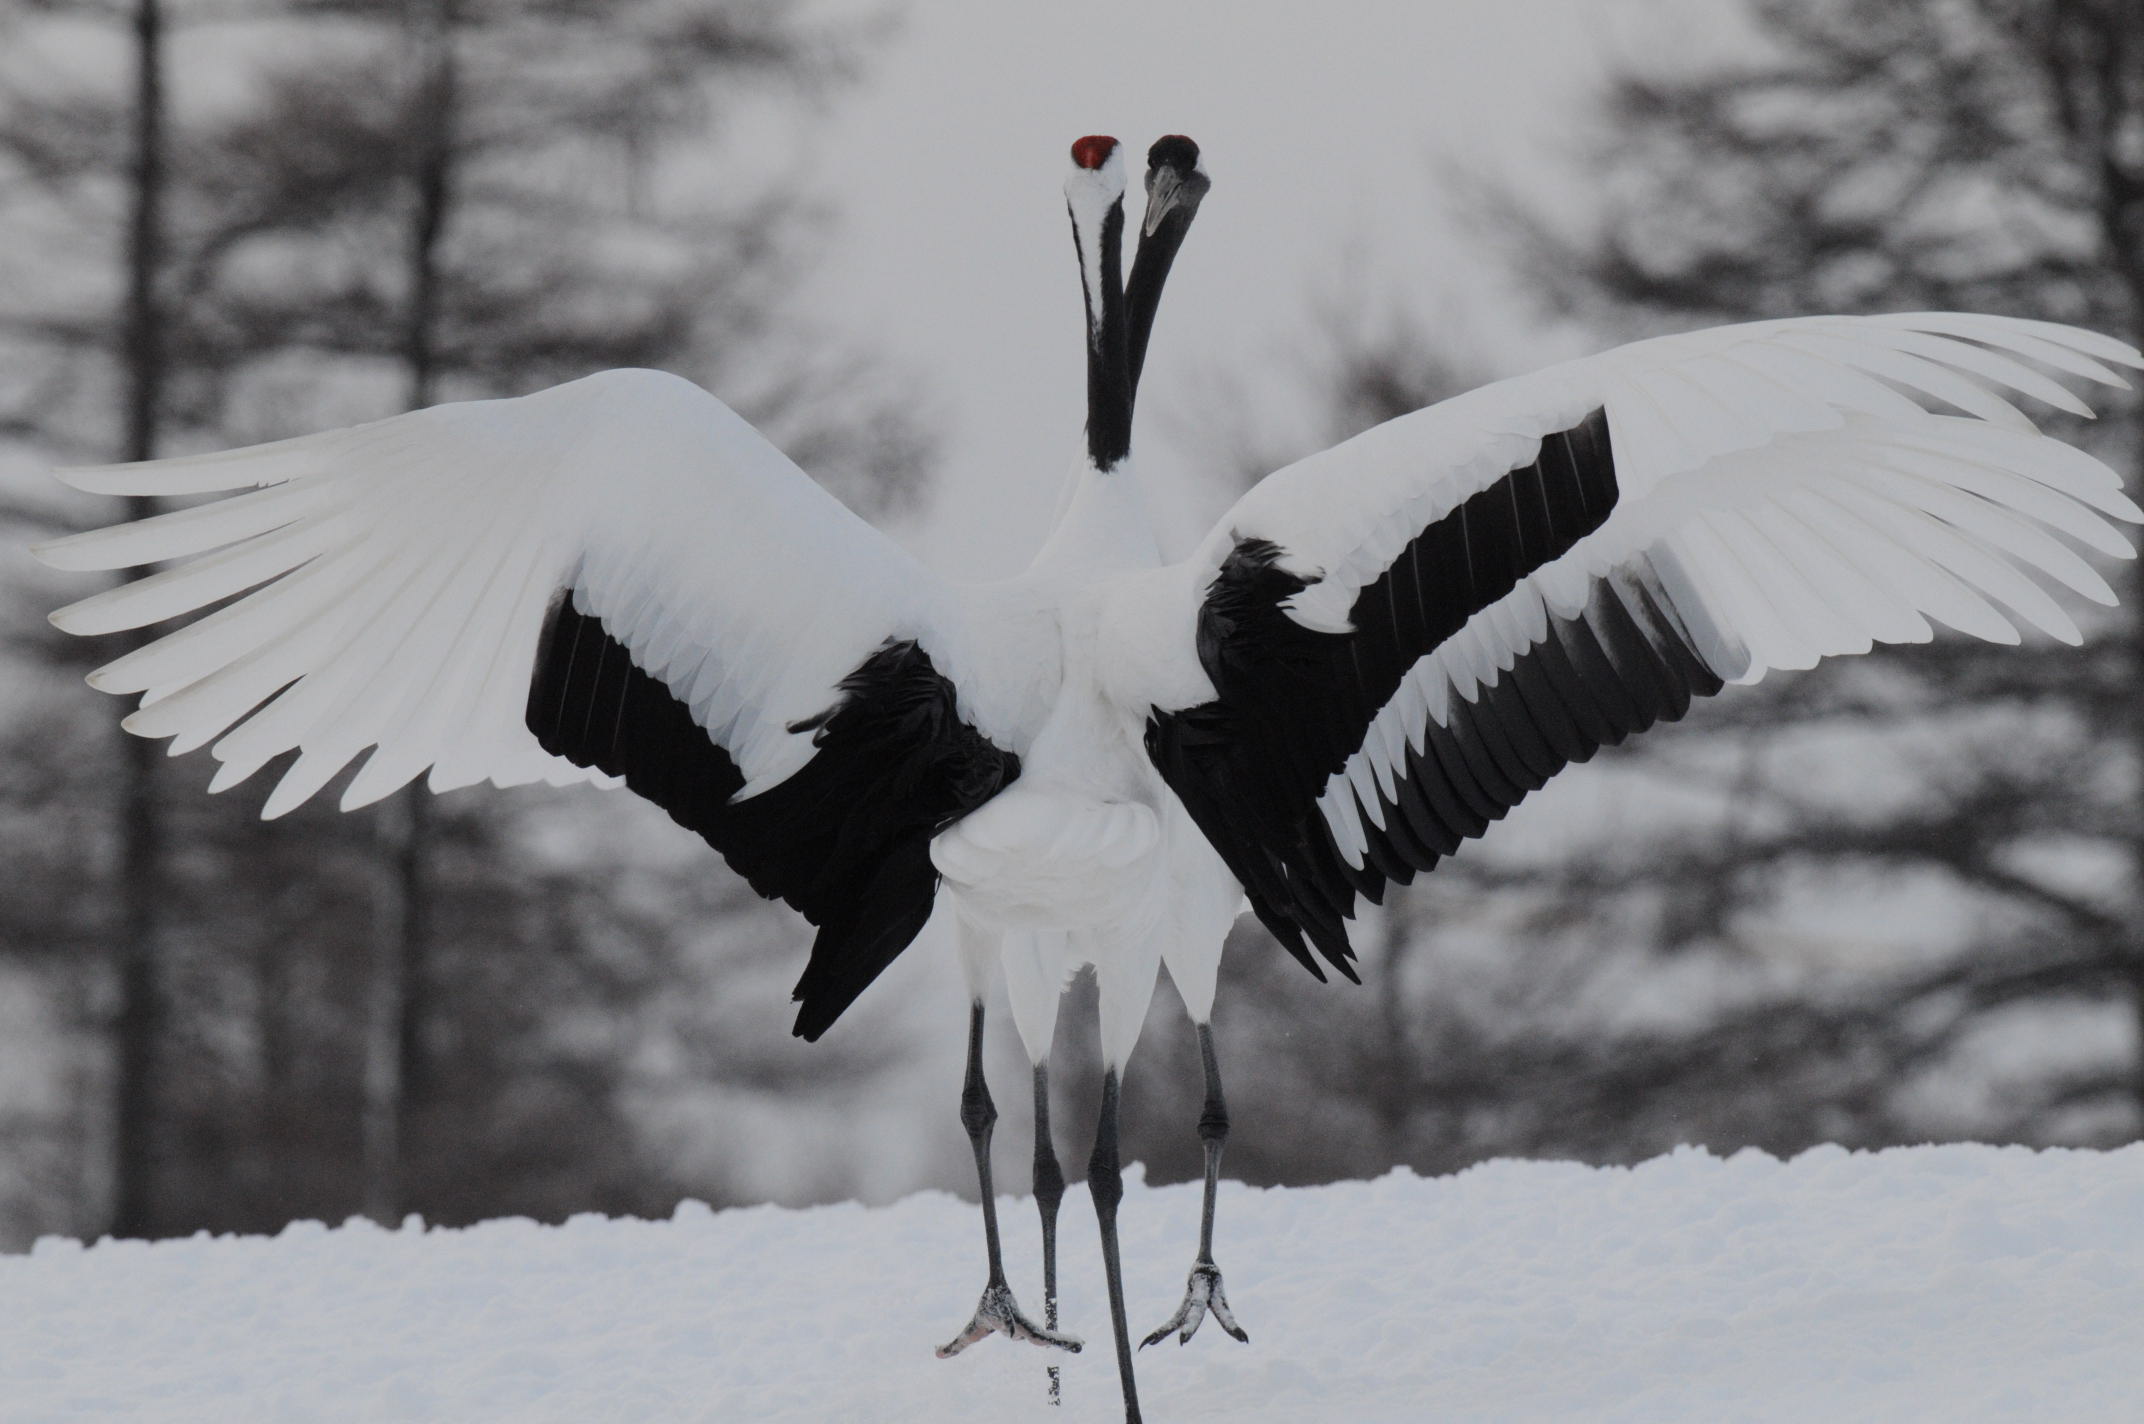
{"type": "Point", "coordinates": [1176, 181]}
{"type": "Point", "coordinates": [1097, 177]}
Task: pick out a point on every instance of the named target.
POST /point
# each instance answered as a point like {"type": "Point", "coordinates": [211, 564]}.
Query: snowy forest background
{"type": "Point", "coordinates": [1892, 900]}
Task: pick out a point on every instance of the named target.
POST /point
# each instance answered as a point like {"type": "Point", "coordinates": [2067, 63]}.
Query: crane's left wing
{"type": "Point", "coordinates": [1407, 633]}
{"type": "Point", "coordinates": [616, 577]}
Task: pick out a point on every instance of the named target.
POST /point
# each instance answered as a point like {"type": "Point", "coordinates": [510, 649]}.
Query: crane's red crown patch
{"type": "Point", "coordinates": [1093, 151]}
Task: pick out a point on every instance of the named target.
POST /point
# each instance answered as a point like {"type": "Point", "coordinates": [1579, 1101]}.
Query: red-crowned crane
{"type": "Point", "coordinates": [1377, 652]}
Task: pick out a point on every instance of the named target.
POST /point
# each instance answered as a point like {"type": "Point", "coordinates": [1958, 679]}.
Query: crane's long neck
{"type": "Point", "coordinates": [1101, 520]}
{"type": "Point", "coordinates": [1100, 243]}
{"type": "Point", "coordinates": [1176, 183]}
{"type": "Point", "coordinates": [1142, 295]}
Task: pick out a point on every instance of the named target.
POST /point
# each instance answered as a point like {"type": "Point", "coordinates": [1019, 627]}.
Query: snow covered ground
{"type": "Point", "coordinates": [1948, 1283]}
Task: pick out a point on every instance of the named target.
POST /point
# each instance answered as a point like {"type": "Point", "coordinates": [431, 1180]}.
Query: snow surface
{"type": "Point", "coordinates": [1938, 1283]}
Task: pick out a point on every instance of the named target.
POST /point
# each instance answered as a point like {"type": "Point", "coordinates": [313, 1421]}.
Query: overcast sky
{"type": "Point", "coordinates": [1323, 127]}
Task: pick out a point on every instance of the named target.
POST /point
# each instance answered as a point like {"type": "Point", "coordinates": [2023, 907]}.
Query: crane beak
{"type": "Point", "coordinates": [1164, 192]}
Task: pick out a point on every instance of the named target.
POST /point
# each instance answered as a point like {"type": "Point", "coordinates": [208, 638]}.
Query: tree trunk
{"type": "Point", "coordinates": [2135, 603]}
{"type": "Point", "coordinates": [139, 1019]}
{"type": "Point", "coordinates": [394, 1068]}
{"type": "Point", "coordinates": [2087, 50]}
{"type": "Point", "coordinates": [2121, 112]}
{"type": "Point", "coordinates": [395, 998]}
{"type": "Point", "coordinates": [1399, 1105]}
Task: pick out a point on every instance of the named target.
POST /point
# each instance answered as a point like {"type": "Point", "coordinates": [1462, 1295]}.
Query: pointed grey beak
{"type": "Point", "coordinates": [1163, 188]}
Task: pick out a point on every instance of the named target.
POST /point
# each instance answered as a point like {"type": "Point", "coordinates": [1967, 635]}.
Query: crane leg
{"type": "Point", "coordinates": [1105, 1180]}
{"type": "Point", "coordinates": [1203, 1291]}
{"type": "Point", "coordinates": [997, 1311]}
{"type": "Point", "coordinates": [1049, 1192]}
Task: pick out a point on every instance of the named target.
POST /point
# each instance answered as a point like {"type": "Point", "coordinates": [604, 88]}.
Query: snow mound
{"type": "Point", "coordinates": [1938, 1283]}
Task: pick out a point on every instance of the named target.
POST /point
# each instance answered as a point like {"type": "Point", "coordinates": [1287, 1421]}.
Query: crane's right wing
{"type": "Point", "coordinates": [1404, 635]}
{"type": "Point", "coordinates": [616, 577]}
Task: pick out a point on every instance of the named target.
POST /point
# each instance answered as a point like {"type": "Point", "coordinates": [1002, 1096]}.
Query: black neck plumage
{"type": "Point", "coordinates": [1142, 295]}
{"type": "Point", "coordinates": [1109, 385]}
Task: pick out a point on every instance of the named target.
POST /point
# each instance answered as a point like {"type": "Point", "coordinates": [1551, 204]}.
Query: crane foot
{"type": "Point", "coordinates": [999, 1313]}
{"type": "Point", "coordinates": [1201, 1294]}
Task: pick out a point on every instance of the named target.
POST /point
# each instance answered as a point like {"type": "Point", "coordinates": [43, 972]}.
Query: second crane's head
{"type": "Point", "coordinates": [1094, 194]}
{"type": "Point", "coordinates": [1176, 183]}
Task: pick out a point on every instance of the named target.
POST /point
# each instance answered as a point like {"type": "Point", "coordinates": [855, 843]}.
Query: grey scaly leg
{"type": "Point", "coordinates": [1203, 1291]}
{"type": "Point", "coordinates": [1049, 1192]}
{"type": "Point", "coordinates": [1105, 1180]}
{"type": "Point", "coordinates": [997, 1310]}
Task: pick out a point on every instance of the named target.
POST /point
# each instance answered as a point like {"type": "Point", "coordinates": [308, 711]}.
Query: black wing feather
{"type": "Point", "coordinates": [845, 840]}
{"type": "Point", "coordinates": [1294, 704]}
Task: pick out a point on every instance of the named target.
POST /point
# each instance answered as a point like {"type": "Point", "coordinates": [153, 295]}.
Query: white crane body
{"type": "Point", "coordinates": [1088, 858]}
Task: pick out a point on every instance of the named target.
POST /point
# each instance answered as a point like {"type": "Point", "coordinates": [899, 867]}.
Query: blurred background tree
{"type": "Point", "coordinates": [1982, 156]}
{"type": "Point", "coordinates": [386, 204]}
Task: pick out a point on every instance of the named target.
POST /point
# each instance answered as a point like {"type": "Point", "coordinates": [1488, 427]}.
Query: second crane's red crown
{"type": "Point", "coordinates": [1093, 151]}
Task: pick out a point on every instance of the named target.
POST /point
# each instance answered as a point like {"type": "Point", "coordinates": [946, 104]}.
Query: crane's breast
{"type": "Point", "coordinates": [1038, 857]}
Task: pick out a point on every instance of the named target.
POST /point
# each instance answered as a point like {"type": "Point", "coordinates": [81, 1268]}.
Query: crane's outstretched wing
{"type": "Point", "coordinates": [617, 577]}
{"type": "Point", "coordinates": [1408, 632]}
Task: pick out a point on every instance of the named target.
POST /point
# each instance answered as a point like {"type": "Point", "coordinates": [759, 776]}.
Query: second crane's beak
{"type": "Point", "coordinates": [1164, 191]}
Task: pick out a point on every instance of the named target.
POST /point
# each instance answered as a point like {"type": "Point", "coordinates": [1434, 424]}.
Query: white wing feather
{"type": "Point", "coordinates": [1790, 485]}
{"type": "Point", "coordinates": [395, 578]}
